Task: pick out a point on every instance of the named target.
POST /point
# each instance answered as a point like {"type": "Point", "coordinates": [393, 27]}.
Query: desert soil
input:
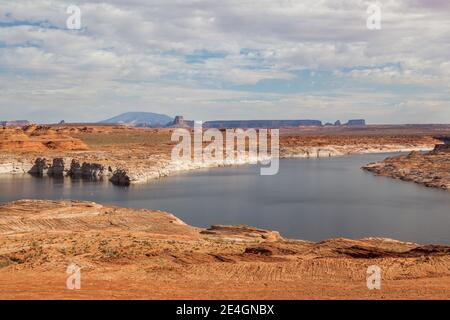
{"type": "Point", "coordinates": [147, 254]}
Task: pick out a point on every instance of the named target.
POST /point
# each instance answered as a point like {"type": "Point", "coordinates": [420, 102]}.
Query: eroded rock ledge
{"type": "Point", "coordinates": [60, 218]}
{"type": "Point", "coordinates": [68, 167]}
{"type": "Point", "coordinates": [150, 253]}
{"type": "Point", "coordinates": [431, 169]}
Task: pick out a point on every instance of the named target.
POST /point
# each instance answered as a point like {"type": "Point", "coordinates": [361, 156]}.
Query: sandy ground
{"type": "Point", "coordinates": [145, 254]}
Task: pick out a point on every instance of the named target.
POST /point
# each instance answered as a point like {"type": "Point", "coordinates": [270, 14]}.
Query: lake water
{"type": "Point", "coordinates": [311, 199]}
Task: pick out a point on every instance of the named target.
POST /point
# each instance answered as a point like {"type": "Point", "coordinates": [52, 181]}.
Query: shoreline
{"type": "Point", "coordinates": [139, 253]}
{"type": "Point", "coordinates": [218, 229]}
{"type": "Point", "coordinates": [142, 172]}
{"type": "Point", "coordinates": [191, 169]}
{"type": "Point", "coordinates": [430, 169]}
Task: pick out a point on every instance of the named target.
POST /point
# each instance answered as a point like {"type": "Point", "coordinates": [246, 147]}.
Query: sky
{"type": "Point", "coordinates": [227, 59]}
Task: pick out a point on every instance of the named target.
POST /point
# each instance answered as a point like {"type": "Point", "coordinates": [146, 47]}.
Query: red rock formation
{"type": "Point", "coordinates": [35, 138]}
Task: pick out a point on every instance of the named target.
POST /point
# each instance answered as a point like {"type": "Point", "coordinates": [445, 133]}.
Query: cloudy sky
{"type": "Point", "coordinates": [227, 59]}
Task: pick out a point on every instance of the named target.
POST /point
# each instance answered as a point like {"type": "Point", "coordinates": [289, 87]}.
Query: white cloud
{"type": "Point", "coordinates": [134, 55]}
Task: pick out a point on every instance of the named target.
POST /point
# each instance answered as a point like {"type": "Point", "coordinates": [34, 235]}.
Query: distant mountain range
{"type": "Point", "coordinates": [140, 119]}
{"type": "Point", "coordinates": [180, 122]}
{"type": "Point", "coordinates": [150, 119]}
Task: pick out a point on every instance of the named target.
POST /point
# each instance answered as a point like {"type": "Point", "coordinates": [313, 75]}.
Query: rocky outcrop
{"type": "Point", "coordinates": [431, 169]}
{"type": "Point", "coordinates": [40, 167]}
{"type": "Point", "coordinates": [120, 177]}
{"type": "Point", "coordinates": [441, 148]}
{"type": "Point", "coordinates": [86, 170]}
{"type": "Point", "coordinates": [58, 167]}
{"type": "Point", "coordinates": [242, 232]}
{"type": "Point", "coordinates": [443, 138]}
{"type": "Point", "coordinates": [75, 168]}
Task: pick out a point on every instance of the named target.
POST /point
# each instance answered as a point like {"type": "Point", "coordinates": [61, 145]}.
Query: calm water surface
{"type": "Point", "coordinates": [312, 199]}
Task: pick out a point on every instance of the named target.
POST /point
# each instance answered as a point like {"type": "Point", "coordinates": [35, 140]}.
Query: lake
{"type": "Point", "coordinates": [310, 199]}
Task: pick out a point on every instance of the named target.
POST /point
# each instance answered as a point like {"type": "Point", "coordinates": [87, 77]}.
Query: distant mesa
{"type": "Point", "coordinates": [352, 122]}
{"type": "Point", "coordinates": [260, 123]}
{"type": "Point", "coordinates": [14, 123]}
{"type": "Point", "coordinates": [140, 119]}
{"type": "Point", "coordinates": [356, 122]}
{"type": "Point", "coordinates": [180, 122]}
{"type": "Point", "coordinates": [155, 120]}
